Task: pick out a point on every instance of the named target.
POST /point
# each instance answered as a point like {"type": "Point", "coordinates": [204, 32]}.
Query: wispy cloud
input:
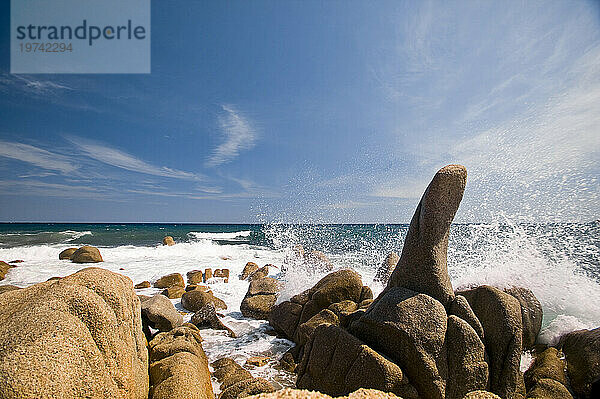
{"type": "Point", "coordinates": [28, 84]}
{"type": "Point", "coordinates": [239, 135]}
{"type": "Point", "coordinates": [37, 156]}
{"type": "Point", "coordinates": [123, 160]}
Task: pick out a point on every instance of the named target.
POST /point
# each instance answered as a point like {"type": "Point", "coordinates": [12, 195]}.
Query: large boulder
{"type": "Point", "coordinates": [196, 299]}
{"type": "Point", "coordinates": [410, 328]}
{"type": "Point", "coordinates": [386, 268]}
{"type": "Point", "coordinates": [237, 382]}
{"type": "Point", "coordinates": [423, 263]}
{"type": "Point", "coordinates": [545, 374]}
{"type": "Point", "coordinates": [170, 280]}
{"type": "Point", "coordinates": [336, 287]}
{"type": "Point", "coordinates": [86, 254]}
{"type": "Point", "coordinates": [500, 316]}
{"type": "Point", "coordinates": [77, 337]}
{"type": "Point", "coordinates": [179, 367]}
{"type": "Point", "coordinates": [260, 298]}
{"type": "Point", "coordinates": [67, 253]}
{"type": "Point", "coordinates": [531, 314]}
{"type": "Point", "coordinates": [250, 268]}
{"type": "Point", "coordinates": [168, 240]}
{"type": "Point", "coordinates": [582, 352]}
{"type": "Point", "coordinates": [337, 363]}
{"type": "Point", "coordinates": [159, 313]}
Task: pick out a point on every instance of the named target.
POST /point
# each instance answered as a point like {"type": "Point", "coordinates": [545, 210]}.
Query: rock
{"type": "Point", "coordinates": [328, 369]}
{"type": "Point", "coordinates": [306, 329]}
{"type": "Point", "coordinates": [4, 268]}
{"type": "Point", "coordinates": [196, 299]}
{"type": "Point", "coordinates": [77, 337]}
{"type": "Point", "coordinates": [7, 288]}
{"type": "Point", "coordinates": [207, 274]}
{"type": "Point", "coordinates": [423, 264]}
{"type": "Point", "coordinates": [260, 273]}
{"type": "Point", "coordinates": [170, 280]}
{"type": "Point", "coordinates": [222, 273]}
{"type": "Point", "coordinates": [365, 294]}
{"type": "Point", "coordinates": [335, 287]}
{"type": "Point", "coordinates": [250, 268]}
{"type": "Point", "coordinates": [143, 284]}
{"type": "Point", "coordinates": [174, 292]}
{"type": "Point", "coordinates": [410, 328]}
{"type": "Point", "coordinates": [460, 307]}
{"type": "Point", "coordinates": [547, 364]}
{"type": "Point", "coordinates": [67, 253]}
{"type": "Point", "coordinates": [247, 388]}
{"type": "Point", "coordinates": [257, 361]}
{"type": "Point", "coordinates": [179, 368]}
{"type": "Point", "coordinates": [386, 268]}
{"type": "Point", "coordinates": [207, 317]}
{"type": "Point", "coordinates": [289, 393]}
{"type": "Point", "coordinates": [467, 369]}
{"type": "Point", "coordinates": [546, 388]}
{"type": "Point", "coordinates": [582, 352]}
{"type": "Point", "coordinates": [228, 372]}
{"type": "Point", "coordinates": [16, 261]}
{"type": "Point", "coordinates": [168, 240]}
{"type": "Point", "coordinates": [195, 277]}
{"type": "Point", "coordinates": [258, 307]}
{"type": "Point", "coordinates": [86, 254]}
{"type": "Point", "coordinates": [500, 316]}
{"type": "Point", "coordinates": [318, 260]}
{"type": "Point", "coordinates": [197, 287]}
{"type": "Point", "coordinates": [481, 395]}
{"type": "Point", "coordinates": [531, 314]}
{"type": "Point", "coordinates": [287, 362]}
{"type": "Point", "coordinates": [343, 308]}
{"type": "Point", "coordinates": [160, 313]}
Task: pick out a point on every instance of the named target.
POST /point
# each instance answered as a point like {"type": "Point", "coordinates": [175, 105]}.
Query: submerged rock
{"type": "Point", "coordinates": [168, 240]}
{"type": "Point", "coordinates": [86, 254]}
{"type": "Point", "coordinates": [80, 336]}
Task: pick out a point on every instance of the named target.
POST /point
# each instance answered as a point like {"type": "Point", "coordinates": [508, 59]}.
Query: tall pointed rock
{"type": "Point", "coordinates": [423, 264]}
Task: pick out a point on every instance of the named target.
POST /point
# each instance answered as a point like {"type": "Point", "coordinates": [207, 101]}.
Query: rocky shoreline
{"type": "Point", "coordinates": [90, 335]}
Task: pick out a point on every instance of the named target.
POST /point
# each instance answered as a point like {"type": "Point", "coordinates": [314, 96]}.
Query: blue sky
{"type": "Point", "coordinates": [316, 111]}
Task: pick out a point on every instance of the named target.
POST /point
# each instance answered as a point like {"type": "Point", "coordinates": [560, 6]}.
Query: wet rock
{"type": "Point", "coordinates": [86, 254]}
{"type": "Point", "coordinates": [250, 268]}
{"type": "Point", "coordinates": [228, 372]}
{"type": "Point", "coordinates": [179, 367]}
{"type": "Point", "coordinates": [80, 336]}
{"type": "Point", "coordinates": [365, 294]}
{"type": "Point", "coordinates": [207, 317]}
{"type": "Point", "coordinates": [410, 328]}
{"type": "Point", "coordinates": [328, 368]}
{"type": "Point", "coordinates": [423, 264]}
{"type": "Point", "coordinates": [500, 316]}
{"type": "Point", "coordinates": [386, 268]}
{"type": "Point", "coordinates": [195, 277]}
{"type": "Point", "coordinates": [546, 388]}
{"type": "Point", "coordinates": [168, 240]}
{"type": "Point", "coordinates": [174, 292]}
{"type": "Point", "coordinates": [196, 299]}
{"type": "Point", "coordinates": [16, 261]}
{"type": "Point", "coordinates": [287, 362]}
{"type": "Point", "coordinates": [258, 307]}
{"type": "Point", "coordinates": [258, 361]}
{"type": "Point", "coordinates": [159, 313]}
{"type": "Point", "coordinates": [547, 364]}
{"type": "Point", "coordinates": [582, 352]}
{"type": "Point", "coordinates": [222, 273]}
{"type": "Point", "coordinates": [336, 287]}
{"type": "Point", "coordinates": [531, 314]}
{"type": "Point", "coordinates": [67, 253]}
{"type": "Point", "coordinates": [170, 280]}
{"type": "Point", "coordinates": [143, 284]}
{"type": "Point", "coordinates": [260, 273]}
{"type": "Point", "coordinates": [4, 268]}
{"type": "Point", "coordinates": [247, 388]}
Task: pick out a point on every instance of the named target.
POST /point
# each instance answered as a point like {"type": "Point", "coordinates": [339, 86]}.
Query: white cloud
{"type": "Point", "coordinates": [238, 133]}
{"type": "Point", "coordinates": [37, 156]}
{"type": "Point", "coordinates": [123, 160]}
{"type": "Point", "coordinates": [31, 85]}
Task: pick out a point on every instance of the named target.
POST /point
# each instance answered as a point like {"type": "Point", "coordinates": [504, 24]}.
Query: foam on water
{"type": "Point", "coordinates": [219, 236]}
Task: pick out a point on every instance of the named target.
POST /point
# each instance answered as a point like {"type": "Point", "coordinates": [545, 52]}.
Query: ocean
{"type": "Point", "coordinates": [559, 262]}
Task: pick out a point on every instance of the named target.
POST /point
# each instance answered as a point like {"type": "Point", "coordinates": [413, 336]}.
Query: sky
{"type": "Point", "coordinates": [315, 111]}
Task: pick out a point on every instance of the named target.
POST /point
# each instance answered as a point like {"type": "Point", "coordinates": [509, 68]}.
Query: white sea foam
{"type": "Point", "coordinates": [219, 236]}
